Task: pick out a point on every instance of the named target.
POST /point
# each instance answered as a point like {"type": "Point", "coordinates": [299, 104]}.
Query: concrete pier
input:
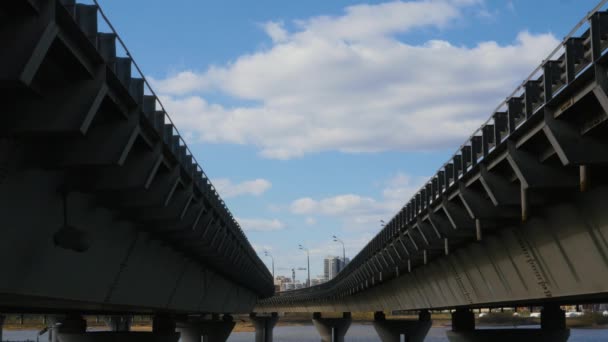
{"type": "Point", "coordinates": [209, 330]}
{"type": "Point", "coordinates": [463, 320]}
{"type": "Point", "coordinates": [118, 323]}
{"type": "Point", "coordinates": [264, 326]}
{"type": "Point", "coordinates": [72, 328]}
{"type": "Point", "coordinates": [553, 328]}
{"type": "Point", "coordinates": [2, 318]}
{"type": "Point", "coordinates": [52, 324]}
{"type": "Point", "coordinates": [410, 330]}
{"type": "Point", "coordinates": [332, 329]}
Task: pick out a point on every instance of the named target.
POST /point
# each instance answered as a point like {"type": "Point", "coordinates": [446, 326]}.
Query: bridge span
{"type": "Point", "coordinates": [105, 210]}
{"type": "Point", "coordinates": [518, 216]}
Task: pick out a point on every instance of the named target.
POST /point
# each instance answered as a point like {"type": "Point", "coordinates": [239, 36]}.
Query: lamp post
{"type": "Point", "coordinates": [267, 253]}
{"type": "Point", "coordinates": [343, 250]}
{"type": "Point", "coordinates": [308, 263]}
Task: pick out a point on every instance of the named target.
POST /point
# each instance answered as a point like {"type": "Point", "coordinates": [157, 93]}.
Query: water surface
{"type": "Point", "coordinates": [356, 333]}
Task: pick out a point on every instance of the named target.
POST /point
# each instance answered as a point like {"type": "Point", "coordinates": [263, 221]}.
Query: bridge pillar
{"type": "Point", "coordinates": [412, 330]}
{"type": "Point", "coordinates": [264, 325]}
{"type": "Point", "coordinates": [463, 319]}
{"type": "Point", "coordinates": [2, 318]}
{"type": "Point", "coordinates": [66, 328]}
{"type": "Point", "coordinates": [52, 326]}
{"type": "Point", "coordinates": [118, 323]}
{"type": "Point", "coordinates": [553, 328]}
{"type": "Point", "coordinates": [213, 330]}
{"type": "Point", "coordinates": [73, 328]}
{"type": "Point", "coordinates": [332, 329]}
{"type": "Point", "coordinates": [552, 318]}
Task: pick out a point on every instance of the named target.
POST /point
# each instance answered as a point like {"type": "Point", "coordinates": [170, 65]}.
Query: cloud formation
{"type": "Point", "coordinates": [227, 189]}
{"type": "Point", "coordinates": [349, 83]}
{"type": "Point", "coordinates": [260, 225]}
{"type": "Point", "coordinates": [358, 212]}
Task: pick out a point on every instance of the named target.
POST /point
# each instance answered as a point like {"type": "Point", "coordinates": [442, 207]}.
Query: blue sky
{"type": "Point", "coordinates": [319, 117]}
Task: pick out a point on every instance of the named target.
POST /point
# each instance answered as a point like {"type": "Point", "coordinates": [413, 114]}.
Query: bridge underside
{"type": "Point", "coordinates": [124, 269]}
{"type": "Point", "coordinates": [559, 254]}
{"type": "Point", "coordinates": [103, 206]}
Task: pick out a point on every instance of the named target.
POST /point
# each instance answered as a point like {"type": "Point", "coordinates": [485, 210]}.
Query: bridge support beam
{"type": "Point", "coordinates": [332, 329]}
{"type": "Point", "coordinates": [411, 330]}
{"type": "Point", "coordinates": [553, 328]}
{"type": "Point", "coordinates": [264, 326]}
{"type": "Point", "coordinates": [213, 330]}
{"type": "Point", "coordinates": [73, 329]}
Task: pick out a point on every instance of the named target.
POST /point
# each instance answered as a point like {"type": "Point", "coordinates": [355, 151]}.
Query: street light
{"type": "Point", "coordinates": [308, 260]}
{"type": "Point", "coordinates": [267, 253]}
{"type": "Point", "coordinates": [343, 249]}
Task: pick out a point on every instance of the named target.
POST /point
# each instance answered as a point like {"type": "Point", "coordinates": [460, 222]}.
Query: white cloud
{"type": "Point", "coordinates": [333, 206]}
{"type": "Point", "coordinates": [348, 83]}
{"type": "Point", "coordinates": [360, 212]}
{"type": "Point", "coordinates": [260, 225]}
{"type": "Point", "coordinates": [276, 31]}
{"type": "Point", "coordinates": [181, 82]}
{"type": "Point", "coordinates": [362, 22]}
{"type": "Point", "coordinates": [311, 221]}
{"type": "Point", "coordinates": [303, 205]}
{"type": "Point", "coordinates": [227, 189]}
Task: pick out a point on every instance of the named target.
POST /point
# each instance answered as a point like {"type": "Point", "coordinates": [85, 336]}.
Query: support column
{"type": "Point", "coordinates": [411, 330]}
{"type": "Point", "coordinates": [552, 318]}
{"type": "Point", "coordinates": [2, 318]}
{"type": "Point", "coordinates": [213, 330]}
{"type": "Point", "coordinates": [463, 320]}
{"type": "Point", "coordinates": [73, 329]}
{"type": "Point", "coordinates": [163, 324]}
{"type": "Point", "coordinates": [118, 323]}
{"type": "Point", "coordinates": [553, 328]}
{"type": "Point", "coordinates": [189, 332]}
{"type": "Point", "coordinates": [69, 328]}
{"type": "Point", "coordinates": [264, 326]}
{"type": "Point", "coordinates": [218, 330]}
{"type": "Point", "coordinates": [332, 329]}
{"type": "Point", "coordinates": [52, 324]}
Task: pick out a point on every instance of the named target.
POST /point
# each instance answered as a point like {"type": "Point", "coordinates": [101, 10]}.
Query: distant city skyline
{"type": "Point", "coordinates": [332, 265]}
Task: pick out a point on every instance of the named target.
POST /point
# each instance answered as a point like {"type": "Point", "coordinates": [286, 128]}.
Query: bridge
{"type": "Point", "coordinates": [106, 211]}
{"type": "Point", "coordinates": [517, 217]}
{"type": "Point", "coordinates": [104, 207]}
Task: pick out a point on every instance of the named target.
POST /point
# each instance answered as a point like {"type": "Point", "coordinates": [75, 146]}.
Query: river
{"type": "Point", "coordinates": [356, 333]}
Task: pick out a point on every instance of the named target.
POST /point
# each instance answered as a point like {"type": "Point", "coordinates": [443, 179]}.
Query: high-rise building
{"type": "Point", "coordinates": [332, 265]}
